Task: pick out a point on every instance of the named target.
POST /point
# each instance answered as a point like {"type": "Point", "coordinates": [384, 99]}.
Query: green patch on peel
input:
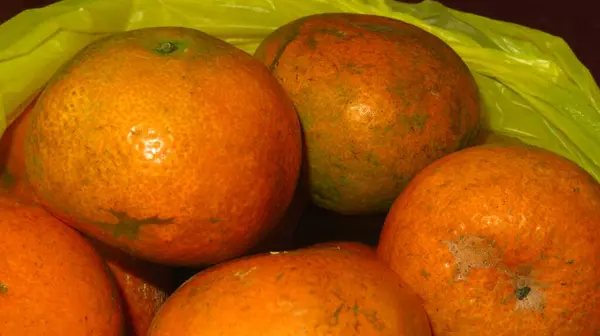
{"type": "Point", "coordinates": [416, 121]}
{"type": "Point", "coordinates": [281, 50]}
{"type": "Point", "coordinates": [335, 317]}
{"type": "Point", "coordinates": [3, 289]}
{"type": "Point", "coordinates": [334, 32]}
{"type": "Point", "coordinates": [7, 180]}
{"type": "Point", "coordinates": [215, 219]}
{"type": "Point", "coordinates": [325, 190]}
{"type": "Point", "coordinates": [169, 47]}
{"type": "Point", "coordinates": [356, 310]}
{"type": "Point", "coordinates": [373, 159]}
{"type": "Point", "coordinates": [128, 226]}
{"type": "Point", "coordinates": [294, 32]}
{"type": "Point", "coordinates": [312, 42]}
{"type": "Point", "coordinates": [165, 48]}
{"type": "Point", "coordinates": [384, 29]}
{"type": "Point", "coordinates": [353, 68]}
{"type": "Point", "coordinates": [401, 181]}
{"type": "Point", "coordinates": [344, 180]}
{"type": "Point", "coordinates": [522, 292]}
{"type": "Point", "coordinates": [372, 317]}
{"type": "Point", "coordinates": [467, 139]}
{"type": "Point", "coordinates": [378, 28]}
{"type": "Point", "coordinates": [201, 48]}
{"type": "Point", "coordinates": [425, 274]}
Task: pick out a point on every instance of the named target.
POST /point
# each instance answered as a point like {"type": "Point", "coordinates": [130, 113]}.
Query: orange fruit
{"type": "Point", "coordinates": [168, 143]}
{"type": "Point", "coordinates": [143, 286]}
{"type": "Point", "coordinates": [500, 240]}
{"type": "Point", "coordinates": [52, 281]}
{"type": "Point", "coordinates": [330, 289]}
{"type": "Point", "coordinates": [378, 99]}
{"type": "Point", "coordinates": [12, 160]}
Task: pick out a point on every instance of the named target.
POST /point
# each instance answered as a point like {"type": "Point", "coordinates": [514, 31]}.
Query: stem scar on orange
{"type": "Point", "coordinates": [166, 142]}
{"type": "Point", "coordinates": [500, 240]}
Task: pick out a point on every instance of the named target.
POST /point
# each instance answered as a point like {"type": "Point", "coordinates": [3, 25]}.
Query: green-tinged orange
{"type": "Point", "coordinates": [378, 99]}
{"type": "Point", "coordinates": [168, 143]}
{"type": "Point", "coordinates": [334, 289]}
{"type": "Point", "coordinates": [52, 281]}
{"type": "Point", "coordinates": [500, 240]}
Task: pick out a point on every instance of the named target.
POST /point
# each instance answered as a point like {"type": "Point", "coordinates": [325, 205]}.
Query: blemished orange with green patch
{"type": "Point", "coordinates": [378, 99]}
{"type": "Point", "coordinates": [52, 281]}
{"type": "Point", "coordinates": [333, 289]}
{"type": "Point", "coordinates": [168, 143]}
{"type": "Point", "coordinates": [143, 286]}
{"type": "Point", "coordinates": [500, 240]}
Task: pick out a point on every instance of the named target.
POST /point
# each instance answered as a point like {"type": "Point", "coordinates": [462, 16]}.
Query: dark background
{"type": "Point", "coordinates": [574, 21]}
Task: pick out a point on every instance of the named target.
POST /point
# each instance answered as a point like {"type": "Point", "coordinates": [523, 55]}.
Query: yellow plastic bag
{"type": "Point", "coordinates": [533, 86]}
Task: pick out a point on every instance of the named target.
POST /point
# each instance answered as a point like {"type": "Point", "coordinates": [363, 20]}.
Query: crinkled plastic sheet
{"type": "Point", "coordinates": [533, 87]}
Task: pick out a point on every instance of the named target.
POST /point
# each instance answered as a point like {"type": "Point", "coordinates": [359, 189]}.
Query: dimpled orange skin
{"type": "Point", "coordinates": [168, 143]}
{"type": "Point", "coordinates": [143, 286]}
{"type": "Point", "coordinates": [500, 240]}
{"type": "Point", "coordinates": [12, 160]}
{"type": "Point", "coordinates": [330, 289]}
{"type": "Point", "coordinates": [378, 100]}
{"type": "Point", "coordinates": [52, 281]}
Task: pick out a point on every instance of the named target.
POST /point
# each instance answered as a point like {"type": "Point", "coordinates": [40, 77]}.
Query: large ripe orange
{"type": "Point", "coordinates": [52, 281]}
{"type": "Point", "coordinates": [378, 99]}
{"type": "Point", "coordinates": [143, 286]}
{"type": "Point", "coordinates": [331, 289]}
{"type": "Point", "coordinates": [167, 142]}
{"type": "Point", "coordinates": [500, 240]}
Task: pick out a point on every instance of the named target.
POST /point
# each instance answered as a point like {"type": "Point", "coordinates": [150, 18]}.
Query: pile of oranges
{"type": "Point", "coordinates": [165, 149]}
